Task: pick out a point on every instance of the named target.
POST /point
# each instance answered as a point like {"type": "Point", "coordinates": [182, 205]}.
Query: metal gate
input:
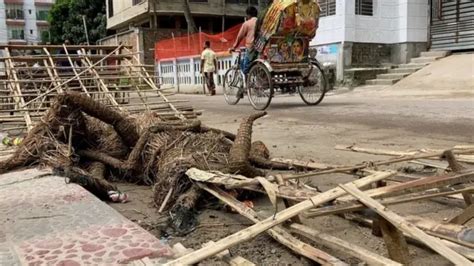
{"type": "Point", "coordinates": [452, 24]}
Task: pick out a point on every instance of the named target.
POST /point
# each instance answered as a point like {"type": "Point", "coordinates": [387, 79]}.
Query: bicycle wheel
{"type": "Point", "coordinates": [259, 86]}
{"type": "Point", "coordinates": [233, 83]}
{"type": "Point", "coordinates": [314, 86]}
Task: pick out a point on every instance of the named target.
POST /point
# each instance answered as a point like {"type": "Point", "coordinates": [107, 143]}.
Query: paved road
{"type": "Point", "coordinates": [372, 116]}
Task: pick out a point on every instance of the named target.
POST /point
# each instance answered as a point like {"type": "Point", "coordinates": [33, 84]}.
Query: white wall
{"type": "Point", "coordinates": [30, 21]}
{"type": "Point", "coordinates": [3, 25]}
{"type": "Point", "coordinates": [331, 29]}
{"type": "Point", "coordinates": [125, 11]}
{"type": "Point", "coordinates": [393, 21]}
{"type": "Point", "coordinates": [418, 19]}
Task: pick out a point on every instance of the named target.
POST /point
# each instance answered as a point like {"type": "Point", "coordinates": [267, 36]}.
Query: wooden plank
{"type": "Point", "coordinates": [180, 250]}
{"type": "Point", "coordinates": [355, 148]}
{"type": "Point", "coordinates": [465, 251]}
{"type": "Point", "coordinates": [419, 185]}
{"type": "Point", "coordinates": [351, 169]}
{"type": "Point", "coordinates": [394, 241]}
{"type": "Point", "coordinates": [354, 206]}
{"type": "Point", "coordinates": [302, 164]}
{"type": "Point", "coordinates": [277, 232]}
{"type": "Point", "coordinates": [287, 202]}
{"type": "Point", "coordinates": [278, 218]}
{"type": "Point", "coordinates": [464, 216]}
{"type": "Point", "coordinates": [433, 243]}
{"type": "Point", "coordinates": [456, 233]}
{"type": "Point", "coordinates": [341, 245]}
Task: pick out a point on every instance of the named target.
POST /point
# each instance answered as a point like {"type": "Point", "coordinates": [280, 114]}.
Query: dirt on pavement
{"type": "Point", "coordinates": [293, 130]}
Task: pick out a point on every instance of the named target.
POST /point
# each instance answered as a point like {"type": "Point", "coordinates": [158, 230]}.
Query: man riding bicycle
{"type": "Point", "coordinates": [247, 33]}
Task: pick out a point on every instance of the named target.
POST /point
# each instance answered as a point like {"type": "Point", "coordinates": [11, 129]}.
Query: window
{"type": "Point", "coordinates": [110, 7]}
{"type": "Point", "coordinates": [16, 33]}
{"type": "Point", "coordinates": [29, 11]}
{"type": "Point", "coordinates": [328, 8]}
{"type": "Point", "coordinates": [364, 7]}
{"type": "Point", "coordinates": [14, 12]}
{"type": "Point", "coordinates": [31, 31]}
{"type": "Point", "coordinates": [136, 2]}
{"type": "Point", "coordinates": [42, 14]}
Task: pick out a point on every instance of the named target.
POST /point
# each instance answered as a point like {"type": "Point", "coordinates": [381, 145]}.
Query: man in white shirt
{"type": "Point", "coordinates": [209, 67]}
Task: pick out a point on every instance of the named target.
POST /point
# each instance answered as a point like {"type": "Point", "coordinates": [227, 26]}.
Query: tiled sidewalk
{"type": "Point", "coordinates": [44, 221]}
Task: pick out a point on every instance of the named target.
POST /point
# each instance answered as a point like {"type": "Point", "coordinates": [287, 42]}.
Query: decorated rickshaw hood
{"type": "Point", "coordinates": [287, 18]}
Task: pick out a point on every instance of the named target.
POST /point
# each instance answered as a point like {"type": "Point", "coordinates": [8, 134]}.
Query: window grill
{"type": "Point", "coordinates": [364, 7]}
{"type": "Point", "coordinates": [328, 8]}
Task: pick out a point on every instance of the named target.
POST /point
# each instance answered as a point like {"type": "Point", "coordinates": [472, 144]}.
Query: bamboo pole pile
{"type": "Point", "coordinates": [113, 75]}
{"type": "Point", "coordinates": [366, 200]}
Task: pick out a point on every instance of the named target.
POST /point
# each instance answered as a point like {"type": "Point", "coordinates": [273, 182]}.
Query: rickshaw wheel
{"type": "Point", "coordinates": [233, 82]}
{"type": "Point", "coordinates": [315, 85]}
{"type": "Point", "coordinates": [259, 86]}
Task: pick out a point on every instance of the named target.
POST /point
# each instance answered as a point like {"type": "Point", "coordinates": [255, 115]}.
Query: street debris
{"type": "Point", "coordinates": [93, 145]}
{"type": "Point", "coordinates": [95, 137]}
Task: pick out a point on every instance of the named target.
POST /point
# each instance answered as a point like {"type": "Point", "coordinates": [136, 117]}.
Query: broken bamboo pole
{"type": "Point", "coordinates": [278, 218]}
{"type": "Point", "coordinates": [465, 251]}
{"type": "Point", "coordinates": [350, 169]}
{"type": "Point", "coordinates": [341, 245]}
{"type": "Point", "coordinates": [354, 206]}
{"type": "Point", "coordinates": [456, 233]}
{"type": "Point", "coordinates": [399, 222]}
{"type": "Point", "coordinates": [418, 185]}
{"type": "Point", "coordinates": [73, 78]}
{"type": "Point", "coordinates": [278, 233]}
{"type": "Point", "coordinates": [355, 148]}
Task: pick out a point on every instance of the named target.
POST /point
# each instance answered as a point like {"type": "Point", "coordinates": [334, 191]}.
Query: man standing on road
{"type": "Point", "coordinates": [209, 67]}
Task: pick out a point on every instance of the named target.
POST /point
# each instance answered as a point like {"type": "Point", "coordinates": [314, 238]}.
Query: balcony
{"type": "Point", "coordinates": [42, 23]}
{"type": "Point", "coordinates": [44, 2]}
{"type": "Point", "coordinates": [14, 2]}
{"type": "Point", "coordinates": [15, 22]}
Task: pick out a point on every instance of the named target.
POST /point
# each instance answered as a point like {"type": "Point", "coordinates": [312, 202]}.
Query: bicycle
{"type": "Point", "coordinates": [266, 78]}
{"type": "Point", "coordinates": [234, 82]}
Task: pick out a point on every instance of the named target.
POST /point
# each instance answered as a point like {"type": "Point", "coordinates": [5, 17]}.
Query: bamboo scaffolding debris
{"type": "Point", "coordinates": [36, 74]}
{"type": "Point", "coordinates": [278, 233]}
{"type": "Point", "coordinates": [278, 218]}
{"type": "Point", "coordinates": [396, 220]}
{"type": "Point", "coordinates": [352, 169]}
{"type": "Point", "coordinates": [355, 148]}
{"type": "Point", "coordinates": [341, 245]}
{"type": "Point", "coordinates": [465, 251]}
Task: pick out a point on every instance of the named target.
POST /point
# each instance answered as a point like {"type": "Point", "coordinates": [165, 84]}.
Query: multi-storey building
{"type": "Point", "coordinates": [366, 33]}
{"type": "Point", "coordinates": [24, 21]}
{"type": "Point", "coordinates": [141, 23]}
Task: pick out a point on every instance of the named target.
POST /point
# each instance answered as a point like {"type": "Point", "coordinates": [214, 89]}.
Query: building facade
{"type": "Point", "coordinates": [371, 33]}
{"type": "Point", "coordinates": [141, 23]}
{"type": "Point", "coordinates": [210, 15]}
{"type": "Point", "coordinates": [24, 21]}
{"type": "Point", "coordinates": [366, 33]}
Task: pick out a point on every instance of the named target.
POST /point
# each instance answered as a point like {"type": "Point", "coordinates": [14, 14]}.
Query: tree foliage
{"type": "Point", "coordinates": [66, 21]}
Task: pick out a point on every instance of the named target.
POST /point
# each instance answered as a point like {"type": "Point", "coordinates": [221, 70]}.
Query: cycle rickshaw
{"type": "Point", "coordinates": [284, 64]}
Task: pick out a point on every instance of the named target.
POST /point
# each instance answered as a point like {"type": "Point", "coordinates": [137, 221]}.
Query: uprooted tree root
{"type": "Point", "coordinates": [90, 142]}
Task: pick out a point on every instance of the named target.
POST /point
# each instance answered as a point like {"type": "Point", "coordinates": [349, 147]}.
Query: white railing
{"type": "Point", "coordinates": [185, 72]}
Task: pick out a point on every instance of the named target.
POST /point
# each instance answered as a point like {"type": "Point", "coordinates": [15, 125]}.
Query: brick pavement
{"type": "Point", "coordinates": [45, 221]}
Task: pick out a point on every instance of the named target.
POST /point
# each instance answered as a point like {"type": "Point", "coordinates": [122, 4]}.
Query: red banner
{"type": "Point", "coordinates": [193, 44]}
